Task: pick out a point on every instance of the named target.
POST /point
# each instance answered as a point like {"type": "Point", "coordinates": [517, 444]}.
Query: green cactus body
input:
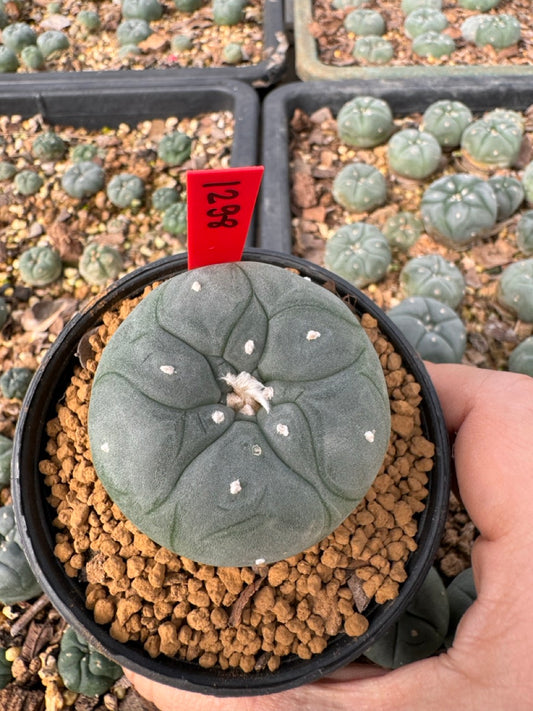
{"type": "Point", "coordinates": [83, 179]}
{"type": "Point", "coordinates": [524, 233]}
{"type": "Point", "coordinates": [4, 18]}
{"type": "Point", "coordinates": [421, 629]}
{"type": "Point", "coordinates": [32, 57]}
{"type": "Point", "coordinates": [509, 194]}
{"type": "Point", "coordinates": [527, 182]}
{"type": "Point", "coordinates": [14, 382]}
{"type": "Point", "coordinates": [40, 265]}
{"type": "Point", "coordinates": [89, 20]}
{"type": "Point", "coordinates": [470, 27]}
{"type": "Point", "coordinates": [187, 5]}
{"type": "Point", "coordinates": [516, 289]}
{"type": "Point", "coordinates": [125, 190]}
{"type": "Point", "coordinates": [360, 187]}
{"type": "Point", "coordinates": [479, 5]}
{"type": "Point", "coordinates": [84, 152]}
{"type": "Point", "coordinates": [131, 32]}
{"type": "Point", "coordinates": [175, 148]}
{"type": "Point", "coordinates": [364, 22]}
{"type": "Point", "coordinates": [163, 198]}
{"type": "Point", "coordinates": [373, 49]}
{"type": "Point", "coordinates": [100, 263]}
{"type": "Point", "coordinates": [18, 35]}
{"type": "Point", "coordinates": [494, 143]}
{"type": "Point", "coordinates": [461, 593]}
{"type": "Point", "coordinates": [521, 358]}
{"type": "Point", "coordinates": [7, 170]}
{"type": "Point", "coordinates": [499, 31]}
{"type": "Point", "coordinates": [148, 10]}
{"type": "Point", "coordinates": [507, 115]}
{"type": "Point", "coordinates": [82, 668]}
{"type": "Point", "coordinates": [49, 146]}
{"type": "Point", "coordinates": [425, 19]}
{"type": "Point", "coordinates": [457, 209]}
{"type": "Point", "coordinates": [232, 53]}
{"type": "Point", "coordinates": [228, 12]}
{"type": "Point", "coordinates": [446, 120]}
{"type": "Point", "coordinates": [129, 50]}
{"type": "Point", "coordinates": [6, 451]}
{"type": "Point", "coordinates": [433, 44]}
{"type": "Point", "coordinates": [365, 122]}
{"type": "Point", "coordinates": [180, 43]}
{"type": "Point", "coordinates": [414, 154]}
{"type": "Point", "coordinates": [4, 312]}
{"type": "Point", "coordinates": [343, 4]}
{"type": "Point", "coordinates": [17, 582]}
{"type": "Point", "coordinates": [28, 182]}
{"type": "Point", "coordinates": [5, 669]}
{"type": "Point", "coordinates": [409, 6]}
{"type": "Point", "coordinates": [432, 328]}
{"type": "Point", "coordinates": [432, 275]}
{"type": "Point", "coordinates": [402, 230]}
{"type": "Point", "coordinates": [268, 393]}
{"type": "Point", "coordinates": [52, 42]}
{"type": "Point", "coordinates": [175, 219]}
{"type": "Point", "coordinates": [359, 253]}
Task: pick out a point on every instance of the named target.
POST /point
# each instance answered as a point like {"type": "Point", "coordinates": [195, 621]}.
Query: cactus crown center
{"type": "Point", "coordinates": [248, 394]}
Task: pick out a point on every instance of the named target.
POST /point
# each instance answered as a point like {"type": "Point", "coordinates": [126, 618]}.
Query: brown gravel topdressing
{"type": "Point", "coordinates": [247, 618]}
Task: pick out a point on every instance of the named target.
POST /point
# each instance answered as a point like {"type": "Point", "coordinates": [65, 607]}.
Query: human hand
{"type": "Point", "coordinates": [489, 665]}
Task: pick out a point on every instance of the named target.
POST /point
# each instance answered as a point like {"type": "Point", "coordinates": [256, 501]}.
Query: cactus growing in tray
{"type": "Point", "coordinates": [433, 329]}
{"type": "Point", "coordinates": [446, 119]}
{"type": "Point", "coordinates": [527, 182]}
{"type": "Point", "coordinates": [8, 60]}
{"type": "Point", "coordinates": [271, 398]}
{"type": "Point", "coordinates": [18, 35]}
{"type": "Point", "coordinates": [142, 9]}
{"type": "Point", "coordinates": [409, 6]}
{"type": "Point", "coordinates": [432, 275]}
{"type": "Point", "coordinates": [425, 19]}
{"type": "Point", "coordinates": [509, 194]}
{"type": "Point", "coordinates": [433, 44]}
{"type": "Point", "coordinates": [49, 146]}
{"type": "Point", "coordinates": [40, 265]}
{"type": "Point", "coordinates": [402, 230]}
{"type": "Point", "coordinates": [17, 582]}
{"type": "Point", "coordinates": [7, 170]}
{"type": "Point", "coordinates": [492, 142]}
{"type": "Point", "coordinates": [521, 358]}
{"type": "Point", "coordinates": [175, 219]}
{"type": "Point", "coordinates": [364, 122]}
{"type": "Point", "coordinates": [32, 57]}
{"type": "Point", "coordinates": [414, 154]}
{"type": "Point", "coordinates": [360, 187]}
{"type": "Point", "coordinates": [516, 289]}
{"type": "Point", "coordinates": [359, 253]}
{"type": "Point", "coordinates": [15, 381]}
{"type": "Point", "coordinates": [479, 5]}
{"type": "Point", "coordinates": [457, 209]}
{"type": "Point", "coordinates": [228, 12]}
{"type": "Point", "coordinates": [187, 5]}
{"type": "Point", "coordinates": [342, 4]}
{"type": "Point", "coordinates": [524, 232]}
{"type": "Point", "coordinates": [52, 42]}
{"type": "Point", "coordinates": [132, 32]}
{"type": "Point", "coordinates": [499, 31]}
{"type": "Point", "coordinates": [89, 20]}
{"type": "Point", "coordinates": [163, 198]}
{"type": "Point", "coordinates": [373, 49]}
{"type": "Point", "coordinates": [461, 593]}
{"type": "Point", "coordinates": [181, 42]}
{"type": "Point", "coordinates": [507, 115]}
{"type": "Point", "coordinates": [28, 182]}
{"type": "Point", "coordinates": [83, 668]}
{"type": "Point", "coordinates": [125, 190]}
{"type": "Point", "coordinates": [99, 263]}
{"type": "Point", "coordinates": [232, 53]}
{"type": "Point", "coordinates": [364, 22]}
{"type": "Point", "coordinates": [175, 148]}
{"type": "Point", "coordinates": [84, 152]}
{"type": "Point", "coordinates": [6, 451]}
{"type": "Point", "coordinates": [83, 179]}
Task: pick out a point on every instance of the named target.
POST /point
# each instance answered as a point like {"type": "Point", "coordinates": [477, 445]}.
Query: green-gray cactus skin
{"type": "Point", "coordinates": [365, 122]}
{"type": "Point", "coordinates": [499, 31]}
{"type": "Point", "coordinates": [420, 630]}
{"type": "Point", "coordinates": [83, 668]}
{"type": "Point", "coordinates": [163, 198]}
{"type": "Point", "coordinates": [433, 329]}
{"type": "Point", "coordinates": [360, 187]}
{"type": "Point", "coordinates": [8, 60]}
{"type": "Point", "coordinates": [14, 382]}
{"type": "Point", "coordinates": [432, 275]}
{"type": "Point", "coordinates": [125, 190]}
{"type": "Point", "coordinates": [446, 119]}
{"type": "Point", "coordinates": [180, 43]}
{"type": "Point", "coordinates": [32, 57]}
{"type": "Point", "coordinates": [40, 265]}
{"type": "Point", "coordinates": [4, 312]}
{"type": "Point", "coordinates": [509, 194]}
{"type": "Point", "coordinates": [228, 12]}
{"type": "Point", "coordinates": [4, 18]}
{"type": "Point", "coordinates": [52, 42]}
{"type": "Point", "coordinates": [28, 182]}
{"type": "Point", "coordinates": [470, 27]}
{"type": "Point", "coordinates": [84, 152]}
{"type": "Point", "coordinates": [527, 182]}
{"type": "Point", "coordinates": [516, 289]}
{"type": "Point", "coordinates": [373, 49]}
{"type": "Point", "coordinates": [414, 154]}
{"type": "Point", "coordinates": [433, 44]}
{"type": "Point", "coordinates": [100, 263]}
{"type": "Point", "coordinates": [409, 6]}
{"type": "Point", "coordinates": [7, 170]}
{"type": "Point", "coordinates": [49, 146]}
{"type": "Point", "coordinates": [492, 143]}
{"type": "Point", "coordinates": [343, 4]}
{"type": "Point", "coordinates": [17, 582]}
{"type": "Point", "coordinates": [175, 219]}
{"type": "Point", "coordinates": [524, 233]}
{"type": "Point", "coordinates": [458, 209]}
{"type": "Point", "coordinates": [83, 179]}
{"type": "Point", "coordinates": [364, 22]}
{"type": "Point", "coordinates": [148, 10]}
{"type": "Point", "coordinates": [425, 19]}
{"type": "Point", "coordinates": [358, 252]}
{"type": "Point", "coordinates": [6, 451]}
{"type": "Point", "coordinates": [174, 148]}
{"type": "Point", "coordinates": [521, 358]}
{"type": "Point", "coordinates": [89, 20]}
{"type": "Point", "coordinates": [187, 6]}
{"type": "Point", "coordinates": [5, 669]}
{"type": "Point", "coordinates": [507, 115]}
{"type": "Point", "coordinates": [461, 594]}
{"type": "Point", "coordinates": [402, 230]}
{"type": "Point", "coordinates": [132, 32]}
{"type": "Point", "coordinates": [18, 35]}
{"type": "Point", "coordinates": [232, 53]}
{"type": "Point", "coordinates": [479, 5]}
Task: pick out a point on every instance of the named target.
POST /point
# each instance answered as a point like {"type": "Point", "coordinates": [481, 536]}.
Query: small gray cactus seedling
{"type": "Point", "coordinates": [402, 230]}
{"type": "Point", "coordinates": [446, 119]}
{"type": "Point", "coordinates": [175, 219]}
{"type": "Point", "coordinates": [7, 170]}
{"type": "Point", "coordinates": [516, 289]}
{"type": "Point", "coordinates": [125, 190]}
{"type": "Point", "coordinates": [163, 198]}
{"type": "Point", "coordinates": [28, 182]}
{"type": "Point", "coordinates": [509, 194]}
{"type": "Point", "coordinates": [364, 22]}
{"type": "Point", "coordinates": [409, 6]}
{"type": "Point", "coordinates": [18, 35]}
{"type": "Point", "coordinates": [470, 27]}
{"type": "Point", "coordinates": [84, 152]}
{"type": "Point", "coordinates": [524, 232]}
{"type": "Point", "coordinates": [89, 20]}
{"type": "Point", "coordinates": [175, 148]}
{"type": "Point", "coordinates": [499, 31]}
{"type": "Point", "coordinates": [99, 263]}
{"type": "Point", "coordinates": [132, 32]}
{"type": "Point", "coordinates": [84, 670]}
{"type": "Point", "coordinates": [433, 44]}
{"type": "Point", "coordinates": [414, 154]}
{"type": "Point", "coordinates": [6, 451]}
{"type": "Point", "coordinates": [492, 142]}
{"type": "Point", "coordinates": [365, 122]}
{"type": "Point", "coordinates": [83, 179]}
{"type": "Point", "coordinates": [8, 60]}
{"type": "Point", "coordinates": [432, 275]}
{"type": "Point", "coordinates": [358, 252]}
{"type": "Point", "coordinates": [14, 382]}
{"type": "Point", "coordinates": [142, 10]}
{"type": "Point", "coordinates": [228, 12]}
{"type": "Point", "coordinates": [521, 358]}
{"type": "Point", "coordinates": [479, 5]}
{"type": "Point", "coordinates": [425, 19]}
{"type": "Point", "coordinates": [457, 209]}
{"type": "Point", "coordinates": [461, 593]}
{"type": "Point", "coordinates": [527, 182]}
{"type": "Point", "coordinates": [49, 146]}
{"type": "Point", "coordinates": [360, 187]}
{"type": "Point", "coordinates": [32, 57]}
{"type": "Point", "coordinates": [433, 329]}
{"type": "Point", "coordinates": [187, 5]}
{"type": "Point", "coordinates": [52, 42]}
{"type": "Point", "coordinates": [17, 582]}
{"type": "Point", "coordinates": [40, 265]}
{"type": "Point", "coordinates": [507, 115]}
{"type": "Point", "coordinates": [342, 4]}
{"type": "Point", "coordinates": [373, 49]}
{"type": "Point", "coordinates": [180, 43]}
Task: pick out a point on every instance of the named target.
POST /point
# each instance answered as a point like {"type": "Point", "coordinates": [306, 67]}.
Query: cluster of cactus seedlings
{"type": "Point", "coordinates": [23, 45]}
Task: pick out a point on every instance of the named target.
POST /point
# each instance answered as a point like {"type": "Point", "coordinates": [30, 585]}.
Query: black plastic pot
{"type": "Point", "coordinates": [35, 517]}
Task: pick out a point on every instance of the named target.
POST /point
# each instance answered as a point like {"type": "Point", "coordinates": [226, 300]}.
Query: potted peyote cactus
{"type": "Point", "coordinates": [237, 369]}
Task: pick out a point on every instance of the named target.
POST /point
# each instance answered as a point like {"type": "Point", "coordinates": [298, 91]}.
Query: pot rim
{"type": "Point", "coordinates": [34, 517]}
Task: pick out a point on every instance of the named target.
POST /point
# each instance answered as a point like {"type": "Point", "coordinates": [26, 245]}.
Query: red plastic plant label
{"type": "Point", "coordinates": [220, 204]}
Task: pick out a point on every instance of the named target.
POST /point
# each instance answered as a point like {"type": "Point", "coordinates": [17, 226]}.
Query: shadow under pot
{"type": "Point", "coordinates": [268, 482]}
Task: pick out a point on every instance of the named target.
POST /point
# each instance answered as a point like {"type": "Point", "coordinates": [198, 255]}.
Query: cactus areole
{"type": "Point", "coordinates": [239, 414]}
